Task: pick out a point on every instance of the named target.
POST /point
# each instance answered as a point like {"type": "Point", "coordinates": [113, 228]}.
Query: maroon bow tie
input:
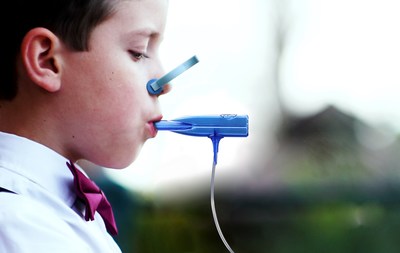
{"type": "Point", "coordinates": [93, 198]}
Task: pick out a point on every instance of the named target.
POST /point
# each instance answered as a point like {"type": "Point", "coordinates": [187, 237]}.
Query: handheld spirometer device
{"type": "Point", "coordinates": [214, 127]}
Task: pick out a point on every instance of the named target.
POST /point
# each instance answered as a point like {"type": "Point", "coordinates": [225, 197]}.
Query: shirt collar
{"type": "Point", "coordinates": [38, 164]}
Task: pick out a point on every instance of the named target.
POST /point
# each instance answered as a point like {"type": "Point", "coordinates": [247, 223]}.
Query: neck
{"type": "Point", "coordinates": [31, 116]}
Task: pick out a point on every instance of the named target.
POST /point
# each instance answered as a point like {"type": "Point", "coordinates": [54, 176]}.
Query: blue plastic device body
{"type": "Point", "coordinates": [224, 125]}
{"type": "Point", "coordinates": [215, 127]}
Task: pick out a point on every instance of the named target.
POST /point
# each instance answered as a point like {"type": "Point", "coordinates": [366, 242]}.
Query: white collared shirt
{"type": "Point", "coordinates": [42, 216]}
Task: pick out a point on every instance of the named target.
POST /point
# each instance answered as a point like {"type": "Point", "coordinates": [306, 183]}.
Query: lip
{"type": "Point", "coordinates": [152, 130]}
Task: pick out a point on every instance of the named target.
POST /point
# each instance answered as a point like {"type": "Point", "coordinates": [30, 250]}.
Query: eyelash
{"type": "Point", "coordinates": [138, 56]}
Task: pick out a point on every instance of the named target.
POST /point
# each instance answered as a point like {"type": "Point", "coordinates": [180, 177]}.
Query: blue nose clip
{"type": "Point", "coordinates": [155, 86]}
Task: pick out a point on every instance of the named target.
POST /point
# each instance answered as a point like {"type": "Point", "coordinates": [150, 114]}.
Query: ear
{"type": "Point", "coordinates": [40, 55]}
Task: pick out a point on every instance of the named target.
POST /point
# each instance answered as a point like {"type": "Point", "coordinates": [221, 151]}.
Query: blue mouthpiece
{"type": "Point", "coordinates": [224, 125]}
{"type": "Point", "coordinates": [215, 127]}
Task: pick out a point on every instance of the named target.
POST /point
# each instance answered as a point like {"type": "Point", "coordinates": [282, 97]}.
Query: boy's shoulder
{"type": "Point", "coordinates": [16, 208]}
{"type": "Point", "coordinates": [28, 226]}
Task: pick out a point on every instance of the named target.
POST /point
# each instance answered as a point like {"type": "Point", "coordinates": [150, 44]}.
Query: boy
{"type": "Point", "coordinates": [74, 76]}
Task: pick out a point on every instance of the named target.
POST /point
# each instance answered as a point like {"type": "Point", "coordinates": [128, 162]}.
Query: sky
{"type": "Point", "coordinates": [340, 52]}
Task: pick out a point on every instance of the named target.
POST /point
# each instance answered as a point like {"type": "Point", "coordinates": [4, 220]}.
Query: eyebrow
{"type": "Point", "coordinates": [144, 33]}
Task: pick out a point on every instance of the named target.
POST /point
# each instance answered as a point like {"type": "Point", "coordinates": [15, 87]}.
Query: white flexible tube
{"type": "Point", "coordinates": [214, 211]}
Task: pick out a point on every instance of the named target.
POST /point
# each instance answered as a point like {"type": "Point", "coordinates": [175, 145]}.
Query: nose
{"type": "Point", "coordinates": [166, 89]}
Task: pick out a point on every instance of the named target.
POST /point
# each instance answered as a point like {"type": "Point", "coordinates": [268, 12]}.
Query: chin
{"type": "Point", "coordinates": [117, 156]}
{"type": "Point", "coordinates": [122, 161]}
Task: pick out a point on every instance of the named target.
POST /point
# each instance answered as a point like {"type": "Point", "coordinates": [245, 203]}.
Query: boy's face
{"type": "Point", "coordinates": [110, 113]}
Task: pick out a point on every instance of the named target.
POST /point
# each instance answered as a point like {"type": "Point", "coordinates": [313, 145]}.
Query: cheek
{"type": "Point", "coordinates": [115, 106]}
{"type": "Point", "coordinates": [106, 101]}
{"type": "Point", "coordinates": [123, 110]}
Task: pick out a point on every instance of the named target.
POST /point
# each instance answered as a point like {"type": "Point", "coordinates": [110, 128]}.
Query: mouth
{"type": "Point", "coordinates": [152, 130]}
